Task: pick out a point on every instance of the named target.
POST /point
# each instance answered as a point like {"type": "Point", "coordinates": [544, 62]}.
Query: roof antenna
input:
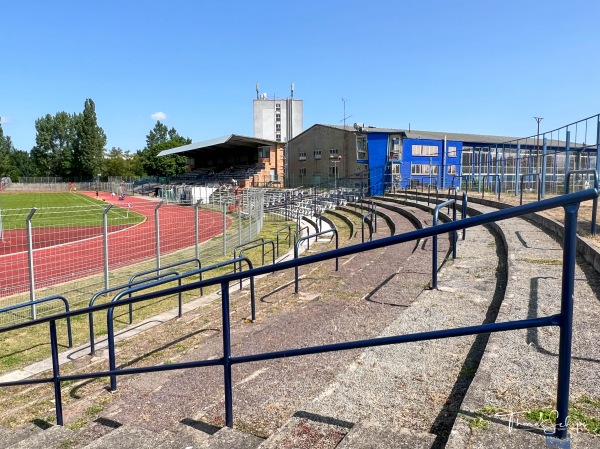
{"type": "Point", "coordinates": [292, 90]}
{"type": "Point", "coordinates": [408, 123]}
{"type": "Point", "coordinates": [257, 90]}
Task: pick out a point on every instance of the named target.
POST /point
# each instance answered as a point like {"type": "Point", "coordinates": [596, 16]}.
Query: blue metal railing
{"type": "Point", "coordinates": [258, 245]}
{"type": "Point", "coordinates": [95, 296]}
{"type": "Point", "coordinates": [530, 175]}
{"type": "Point", "coordinates": [563, 320]}
{"type": "Point", "coordinates": [166, 267]}
{"type": "Point", "coordinates": [299, 233]}
{"type": "Point", "coordinates": [40, 301]}
{"type": "Point", "coordinates": [288, 238]}
{"type": "Point", "coordinates": [497, 184]}
{"type": "Point", "coordinates": [434, 256]}
{"type": "Point", "coordinates": [589, 171]}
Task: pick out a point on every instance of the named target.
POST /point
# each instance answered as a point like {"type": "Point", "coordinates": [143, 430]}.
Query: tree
{"type": "Point", "coordinates": [88, 152]}
{"type": "Point", "coordinates": [160, 139]}
{"type": "Point", "coordinates": [6, 147]}
{"type": "Point", "coordinates": [54, 144]}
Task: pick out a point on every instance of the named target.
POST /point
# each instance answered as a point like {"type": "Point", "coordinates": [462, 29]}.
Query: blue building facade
{"type": "Point", "coordinates": [397, 161]}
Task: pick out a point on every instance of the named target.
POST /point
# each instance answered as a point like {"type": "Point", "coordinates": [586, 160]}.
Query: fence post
{"type": "Point", "coordinates": [518, 169]}
{"type": "Point", "coordinates": [196, 230]}
{"type": "Point", "coordinates": [228, 385]}
{"type": "Point", "coordinates": [239, 225]}
{"type": "Point", "coordinates": [544, 163]}
{"type": "Point", "coordinates": [105, 243]}
{"type": "Point", "coordinates": [30, 261]}
{"type": "Point", "coordinates": [224, 228]}
{"type": "Point", "coordinates": [567, 156]}
{"type": "Point", "coordinates": [157, 235]}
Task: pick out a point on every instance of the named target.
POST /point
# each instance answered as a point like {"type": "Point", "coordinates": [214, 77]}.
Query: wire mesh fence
{"type": "Point", "coordinates": [76, 251]}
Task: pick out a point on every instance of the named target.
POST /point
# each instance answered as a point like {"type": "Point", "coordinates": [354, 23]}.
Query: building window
{"type": "Point", "coordinates": [395, 149]}
{"type": "Point", "coordinates": [302, 156]}
{"type": "Point", "coordinates": [451, 169]}
{"type": "Point", "coordinates": [451, 151]}
{"type": "Point", "coordinates": [424, 150]}
{"type": "Point", "coordinates": [333, 153]}
{"type": "Point", "coordinates": [278, 127]}
{"type": "Point", "coordinates": [333, 171]}
{"type": "Point", "coordinates": [423, 169]}
{"type": "Point", "coordinates": [317, 154]}
{"type": "Point", "coordinates": [277, 105]}
{"type": "Point", "coordinates": [264, 152]}
{"type": "Point", "coordinates": [302, 171]}
{"type": "Point", "coordinates": [361, 148]}
{"type": "Point", "coordinates": [278, 117]}
{"type": "Point", "coordinates": [278, 137]}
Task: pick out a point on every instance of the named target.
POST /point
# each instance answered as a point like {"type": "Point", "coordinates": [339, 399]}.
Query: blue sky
{"type": "Point", "coordinates": [483, 67]}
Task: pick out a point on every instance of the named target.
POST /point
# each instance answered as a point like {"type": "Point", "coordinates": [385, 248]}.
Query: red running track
{"type": "Point", "coordinates": [81, 251]}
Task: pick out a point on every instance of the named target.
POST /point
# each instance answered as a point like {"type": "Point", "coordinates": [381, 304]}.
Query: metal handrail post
{"type": "Point", "coordinates": [566, 321]}
{"type": "Point", "coordinates": [464, 212]}
{"type": "Point", "coordinates": [228, 384]}
{"type": "Point", "coordinates": [30, 262]}
{"type": "Point", "coordinates": [455, 233]}
{"type": "Point", "coordinates": [434, 257]}
{"type": "Point", "coordinates": [105, 242]}
{"type": "Point", "coordinates": [56, 373]}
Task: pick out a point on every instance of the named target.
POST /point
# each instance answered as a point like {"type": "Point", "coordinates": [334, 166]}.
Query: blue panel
{"type": "Point", "coordinates": [377, 146]}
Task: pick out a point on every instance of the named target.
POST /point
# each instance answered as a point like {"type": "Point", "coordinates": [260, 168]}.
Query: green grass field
{"type": "Point", "coordinates": [59, 209]}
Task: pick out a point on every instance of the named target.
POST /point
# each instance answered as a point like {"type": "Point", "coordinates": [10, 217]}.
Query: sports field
{"type": "Point", "coordinates": [68, 240]}
{"type": "Point", "coordinates": [60, 209]}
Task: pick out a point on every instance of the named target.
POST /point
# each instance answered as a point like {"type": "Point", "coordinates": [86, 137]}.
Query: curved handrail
{"type": "Point", "coordinates": [114, 289]}
{"type": "Point", "coordinates": [299, 232]}
{"type": "Point", "coordinates": [119, 297]}
{"type": "Point", "coordinates": [299, 242]}
{"type": "Point", "coordinates": [241, 245]}
{"type": "Point", "coordinates": [492, 175]}
{"type": "Point", "coordinates": [529, 175]}
{"type": "Point", "coordinates": [40, 301]}
{"type": "Point", "coordinates": [364, 218]}
{"type": "Point", "coordinates": [263, 252]}
{"type": "Point", "coordinates": [166, 267]}
{"type": "Point", "coordinates": [289, 237]}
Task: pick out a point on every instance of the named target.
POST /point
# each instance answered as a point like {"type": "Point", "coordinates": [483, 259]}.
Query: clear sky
{"type": "Point", "coordinates": [483, 67]}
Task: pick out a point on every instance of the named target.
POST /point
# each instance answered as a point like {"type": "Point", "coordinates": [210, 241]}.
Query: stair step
{"type": "Point", "coordinates": [12, 436]}
{"type": "Point", "coordinates": [310, 431]}
{"type": "Point", "coordinates": [370, 435]}
{"type": "Point", "coordinates": [227, 438]}
{"type": "Point", "coordinates": [51, 438]}
{"type": "Point", "coordinates": [128, 437]}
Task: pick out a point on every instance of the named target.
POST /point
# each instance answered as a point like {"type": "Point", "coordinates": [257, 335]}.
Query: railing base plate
{"type": "Point", "coordinates": [552, 441]}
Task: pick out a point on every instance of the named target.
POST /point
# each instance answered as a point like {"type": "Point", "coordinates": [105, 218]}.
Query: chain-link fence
{"type": "Point", "coordinates": [77, 251]}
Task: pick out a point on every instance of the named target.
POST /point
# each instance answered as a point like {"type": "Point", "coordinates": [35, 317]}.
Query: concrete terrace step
{"type": "Point", "coordinates": [51, 438]}
{"type": "Point", "coordinates": [517, 373]}
{"type": "Point", "coordinates": [372, 435]}
{"type": "Point", "coordinates": [416, 386]}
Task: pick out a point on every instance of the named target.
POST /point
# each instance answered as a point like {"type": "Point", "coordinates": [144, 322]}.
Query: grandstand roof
{"type": "Point", "coordinates": [227, 142]}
